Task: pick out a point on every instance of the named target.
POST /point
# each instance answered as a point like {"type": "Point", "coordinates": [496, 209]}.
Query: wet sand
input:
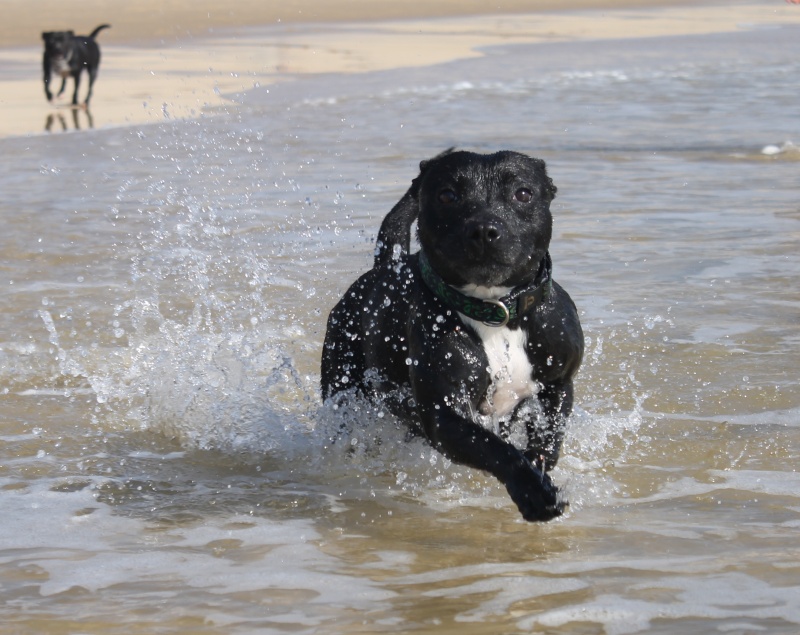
{"type": "Point", "coordinates": [156, 22]}
{"type": "Point", "coordinates": [161, 61]}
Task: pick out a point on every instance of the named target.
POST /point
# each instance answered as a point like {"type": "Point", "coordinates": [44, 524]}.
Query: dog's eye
{"type": "Point", "coordinates": [523, 195]}
{"type": "Point", "coordinates": [447, 196]}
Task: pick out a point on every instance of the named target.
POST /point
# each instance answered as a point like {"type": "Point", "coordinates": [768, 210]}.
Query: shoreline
{"type": "Point", "coordinates": [168, 22]}
{"type": "Point", "coordinates": [152, 84]}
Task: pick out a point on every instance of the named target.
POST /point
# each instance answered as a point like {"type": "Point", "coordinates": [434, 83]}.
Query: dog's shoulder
{"type": "Point", "coordinates": [555, 338]}
{"type": "Point", "coordinates": [387, 284]}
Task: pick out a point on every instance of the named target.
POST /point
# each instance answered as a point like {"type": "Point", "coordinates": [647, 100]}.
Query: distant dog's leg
{"type": "Point", "coordinates": [46, 69]}
{"type": "Point", "coordinates": [92, 77]}
{"type": "Point", "coordinates": [77, 78]}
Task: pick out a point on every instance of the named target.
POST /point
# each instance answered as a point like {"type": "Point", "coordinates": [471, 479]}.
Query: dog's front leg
{"type": "Point", "coordinates": [92, 77]}
{"type": "Point", "coordinates": [77, 78]}
{"type": "Point", "coordinates": [442, 414]}
{"type": "Point", "coordinates": [468, 443]}
{"type": "Point", "coordinates": [546, 434]}
{"type": "Point", "coordinates": [47, 77]}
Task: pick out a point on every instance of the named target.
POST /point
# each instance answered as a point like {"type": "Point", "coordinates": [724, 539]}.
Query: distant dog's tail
{"type": "Point", "coordinates": [94, 33]}
{"type": "Point", "coordinates": [394, 237]}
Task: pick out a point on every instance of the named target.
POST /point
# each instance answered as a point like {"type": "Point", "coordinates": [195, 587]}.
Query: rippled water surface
{"type": "Point", "coordinates": [165, 464]}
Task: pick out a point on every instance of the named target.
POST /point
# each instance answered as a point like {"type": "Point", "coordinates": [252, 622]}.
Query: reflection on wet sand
{"type": "Point", "coordinates": [58, 117]}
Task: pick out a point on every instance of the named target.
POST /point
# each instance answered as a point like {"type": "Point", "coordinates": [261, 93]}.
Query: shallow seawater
{"type": "Point", "coordinates": [166, 465]}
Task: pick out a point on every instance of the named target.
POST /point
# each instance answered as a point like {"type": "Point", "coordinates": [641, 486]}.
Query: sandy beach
{"type": "Point", "coordinates": [162, 61]}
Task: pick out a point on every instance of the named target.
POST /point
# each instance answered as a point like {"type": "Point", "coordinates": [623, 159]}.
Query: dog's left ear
{"type": "Point", "coordinates": [550, 188]}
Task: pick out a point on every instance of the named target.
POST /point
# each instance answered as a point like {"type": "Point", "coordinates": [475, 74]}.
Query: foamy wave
{"type": "Point", "coordinates": [787, 148]}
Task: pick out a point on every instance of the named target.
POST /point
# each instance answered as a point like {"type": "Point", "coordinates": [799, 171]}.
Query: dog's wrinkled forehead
{"type": "Point", "coordinates": [56, 39]}
{"type": "Point", "coordinates": [482, 173]}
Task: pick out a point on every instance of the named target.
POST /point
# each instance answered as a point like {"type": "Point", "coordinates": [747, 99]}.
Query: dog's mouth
{"type": "Point", "coordinates": [482, 250]}
{"type": "Point", "coordinates": [483, 255]}
{"type": "Point", "coordinates": [60, 53]}
{"type": "Point", "coordinates": [471, 267]}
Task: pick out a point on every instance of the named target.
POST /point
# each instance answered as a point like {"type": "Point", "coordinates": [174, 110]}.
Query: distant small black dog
{"type": "Point", "coordinates": [67, 55]}
{"type": "Point", "coordinates": [470, 339]}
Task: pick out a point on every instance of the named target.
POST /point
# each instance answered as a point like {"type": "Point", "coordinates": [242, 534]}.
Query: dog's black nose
{"type": "Point", "coordinates": [482, 233]}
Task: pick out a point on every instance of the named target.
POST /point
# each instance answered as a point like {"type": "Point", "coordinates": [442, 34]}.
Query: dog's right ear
{"type": "Point", "coordinates": [423, 165]}
{"type": "Point", "coordinates": [394, 237]}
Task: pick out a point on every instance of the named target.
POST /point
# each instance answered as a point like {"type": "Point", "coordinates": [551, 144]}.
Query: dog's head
{"type": "Point", "coordinates": [58, 44]}
{"type": "Point", "coordinates": [484, 219]}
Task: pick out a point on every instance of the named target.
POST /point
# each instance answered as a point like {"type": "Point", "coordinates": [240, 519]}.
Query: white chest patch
{"type": "Point", "coordinates": [61, 67]}
{"type": "Point", "coordinates": [509, 368]}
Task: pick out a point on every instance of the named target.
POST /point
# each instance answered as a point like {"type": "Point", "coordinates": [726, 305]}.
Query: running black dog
{"type": "Point", "coordinates": [67, 55]}
{"type": "Point", "coordinates": [470, 340]}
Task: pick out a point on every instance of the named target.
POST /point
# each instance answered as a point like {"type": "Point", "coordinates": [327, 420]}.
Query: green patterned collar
{"type": "Point", "coordinates": [491, 312]}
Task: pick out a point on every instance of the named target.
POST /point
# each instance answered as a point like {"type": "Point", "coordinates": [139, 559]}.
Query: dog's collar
{"type": "Point", "coordinates": [491, 312]}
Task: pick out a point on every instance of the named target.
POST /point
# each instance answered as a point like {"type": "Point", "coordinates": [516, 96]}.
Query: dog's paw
{"type": "Point", "coordinates": [537, 498]}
